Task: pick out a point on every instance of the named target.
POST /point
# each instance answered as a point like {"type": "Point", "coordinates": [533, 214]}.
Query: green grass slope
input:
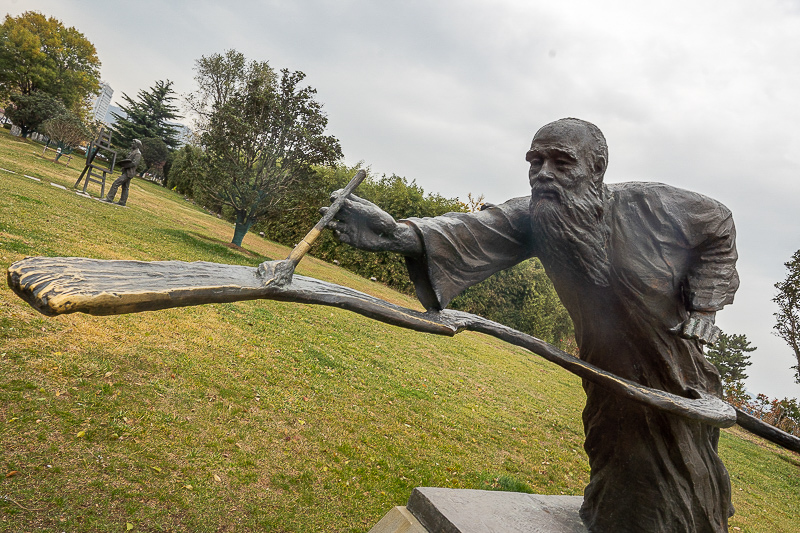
{"type": "Point", "coordinates": [266, 416]}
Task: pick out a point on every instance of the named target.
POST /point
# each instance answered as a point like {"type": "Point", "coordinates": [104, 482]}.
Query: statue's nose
{"type": "Point", "coordinates": [545, 175]}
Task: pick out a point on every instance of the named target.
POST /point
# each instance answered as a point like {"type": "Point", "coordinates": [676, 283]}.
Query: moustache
{"type": "Point", "coordinates": [547, 191]}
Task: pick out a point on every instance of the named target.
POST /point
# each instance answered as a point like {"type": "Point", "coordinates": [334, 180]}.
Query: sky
{"type": "Point", "coordinates": [702, 95]}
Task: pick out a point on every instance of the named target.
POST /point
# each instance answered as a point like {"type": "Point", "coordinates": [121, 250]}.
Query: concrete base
{"type": "Point", "coordinates": [436, 510]}
{"type": "Point", "coordinates": [398, 520]}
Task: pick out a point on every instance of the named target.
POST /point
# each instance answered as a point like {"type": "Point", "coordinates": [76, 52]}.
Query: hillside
{"type": "Point", "coordinates": [267, 416]}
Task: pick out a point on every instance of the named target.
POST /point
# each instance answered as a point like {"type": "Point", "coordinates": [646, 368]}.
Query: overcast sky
{"type": "Point", "coordinates": [698, 94]}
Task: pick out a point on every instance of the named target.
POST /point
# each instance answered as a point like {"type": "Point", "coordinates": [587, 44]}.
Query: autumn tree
{"type": "Point", "coordinates": [787, 325]}
{"type": "Point", "coordinates": [41, 55]}
{"type": "Point", "coordinates": [148, 116]}
{"type": "Point", "coordinates": [261, 132]}
{"type": "Point", "coordinates": [67, 130]}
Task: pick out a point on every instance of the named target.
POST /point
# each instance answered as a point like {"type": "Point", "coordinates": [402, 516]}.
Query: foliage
{"type": "Point", "coordinates": [261, 132]}
{"type": "Point", "coordinates": [267, 416]}
{"type": "Point", "coordinates": [67, 130]}
{"type": "Point", "coordinates": [187, 171]}
{"type": "Point", "coordinates": [783, 414]}
{"type": "Point", "coordinates": [394, 194]}
{"type": "Point", "coordinates": [29, 111]}
{"type": "Point", "coordinates": [788, 315]}
{"type": "Point", "coordinates": [729, 355]}
{"type": "Point", "coordinates": [148, 116]}
{"type": "Point", "coordinates": [39, 54]}
{"type": "Point", "coordinates": [523, 298]}
{"type": "Point", "coordinates": [154, 154]}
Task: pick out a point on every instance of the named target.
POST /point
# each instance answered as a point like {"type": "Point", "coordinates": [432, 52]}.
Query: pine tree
{"type": "Point", "coordinates": [730, 357]}
{"type": "Point", "coordinates": [148, 117]}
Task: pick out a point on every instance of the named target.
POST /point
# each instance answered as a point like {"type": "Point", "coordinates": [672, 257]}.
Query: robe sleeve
{"type": "Point", "coordinates": [712, 279]}
{"type": "Point", "coordinates": [462, 249]}
{"type": "Point", "coordinates": [693, 241]}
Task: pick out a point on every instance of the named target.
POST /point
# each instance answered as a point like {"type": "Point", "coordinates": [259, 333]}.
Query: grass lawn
{"type": "Point", "coordinates": [267, 416]}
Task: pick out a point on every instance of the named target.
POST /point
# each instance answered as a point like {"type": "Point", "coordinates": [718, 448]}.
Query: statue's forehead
{"type": "Point", "coordinates": [560, 137]}
{"type": "Point", "coordinates": [555, 145]}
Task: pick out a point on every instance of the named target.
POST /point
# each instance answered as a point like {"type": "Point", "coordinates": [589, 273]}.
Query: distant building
{"type": "Point", "coordinates": [101, 103]}
{"type": "Point", "coordinates": [110, 118]}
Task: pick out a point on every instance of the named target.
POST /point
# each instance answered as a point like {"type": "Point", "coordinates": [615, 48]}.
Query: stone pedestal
{"type": "Point", "coordinates": [436, 510]}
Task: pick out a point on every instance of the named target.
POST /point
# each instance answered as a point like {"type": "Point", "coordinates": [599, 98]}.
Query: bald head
{"type": "Point", "coordinates": [578, 137]}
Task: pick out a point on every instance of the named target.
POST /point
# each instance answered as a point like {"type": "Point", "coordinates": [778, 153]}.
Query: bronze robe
{"type": "Point", "coordinates": [671, 251]}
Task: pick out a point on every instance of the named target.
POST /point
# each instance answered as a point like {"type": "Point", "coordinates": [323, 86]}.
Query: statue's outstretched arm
{"type": "Point", "coordinates": [364, 225]}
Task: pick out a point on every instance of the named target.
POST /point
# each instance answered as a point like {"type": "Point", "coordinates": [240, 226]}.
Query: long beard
{"type": "Point", "coordinates": [569, 231]}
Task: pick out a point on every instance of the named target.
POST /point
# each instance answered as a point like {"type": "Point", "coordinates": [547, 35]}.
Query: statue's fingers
{"type": "Point", "coordinates": [710, 333]}
{"type": "Point", "coordinates": [343, 237]}
{"type": "Point", "coordinates": [714, 336]}
{"type": "Point", "coordinates": [337, 227]}
{"type": "Point", "coordinates": [702, 332]}
{"type": "Point", "coordinates": [690, 328]}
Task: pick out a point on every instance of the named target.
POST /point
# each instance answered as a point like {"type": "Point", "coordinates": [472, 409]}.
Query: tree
{"type": "Point", "coordinates": [39, 54]}
{"type": "Point", "coordinates": [67, 130]}
{"type": "Point", "coordinates": [155, 154]}
{"type": "Point", "coordinates": [261, 132]}
{"type": "Point", "coordinates": [187, 169]}
{"type": "Point", "coordinates": [29, 111]}
{"type": "Point", "coordinates": [788, 315]}
{"type": "Point", "coordinates": [521, 297]}
{"type": "Point", "coordinates": [148, 117]}
{"type": "Point", "coordinates": [396, 195]}
{"type": "Point", "coordinates": [730, 357]}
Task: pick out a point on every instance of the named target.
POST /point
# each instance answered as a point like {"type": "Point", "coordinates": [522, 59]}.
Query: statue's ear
{"type": "Point", "coordinates": [599, 167]}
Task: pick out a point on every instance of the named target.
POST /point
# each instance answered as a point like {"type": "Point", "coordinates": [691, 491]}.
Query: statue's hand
{"type": "Point", "coordinates": [364, 225]}
{"type": "Point", "coordinates": [700, 326]}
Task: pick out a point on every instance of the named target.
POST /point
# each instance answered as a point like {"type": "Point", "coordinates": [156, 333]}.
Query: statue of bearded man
{"type": "Point", "coordinates": [642, 269]}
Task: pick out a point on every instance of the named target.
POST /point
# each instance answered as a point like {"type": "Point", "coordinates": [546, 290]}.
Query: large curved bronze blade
{"type": "Point", "coordinates": [61, 285]}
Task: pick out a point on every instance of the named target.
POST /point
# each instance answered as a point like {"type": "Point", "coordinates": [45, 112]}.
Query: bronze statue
{"type": "Point", "coordinates": [128, 165]}
{"type": "Point", "coordinates": [642, 268]}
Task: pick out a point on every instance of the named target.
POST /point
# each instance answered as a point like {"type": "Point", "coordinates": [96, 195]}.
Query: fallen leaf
{"type": "Point", "coordinates": [12, 473]}
{"type": "Point", "coordinates": [128, 526]}
{"type": "Point", "coordinates": [188, 487]}
{"type": "Point", "coordinates": [81, 433]}
{"type": "Point", "coordinates": [217, 479]}
{"type": "Point", "coordinates": [157, 469]}
{"type": "Point", "coordinates": [108, 374]}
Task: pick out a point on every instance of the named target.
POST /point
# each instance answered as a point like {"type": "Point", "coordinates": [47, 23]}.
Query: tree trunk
{"type": "Point", "coordinates": [242, 227]}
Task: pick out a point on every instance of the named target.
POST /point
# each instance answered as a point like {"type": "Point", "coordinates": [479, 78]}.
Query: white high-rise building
{"type": "Point", "coordinates": [103, 100]}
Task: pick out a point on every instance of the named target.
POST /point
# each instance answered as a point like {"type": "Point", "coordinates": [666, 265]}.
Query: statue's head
{"type": "Point", "coordinates": [136, 144]}
{"type": "Point", "coordinates": [568, 160]}
{"type": "Point", "coordinates": [568, 152]}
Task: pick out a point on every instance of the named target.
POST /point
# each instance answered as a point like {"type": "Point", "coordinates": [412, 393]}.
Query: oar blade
{"type": "Point", "coordinates": [59, 285]}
